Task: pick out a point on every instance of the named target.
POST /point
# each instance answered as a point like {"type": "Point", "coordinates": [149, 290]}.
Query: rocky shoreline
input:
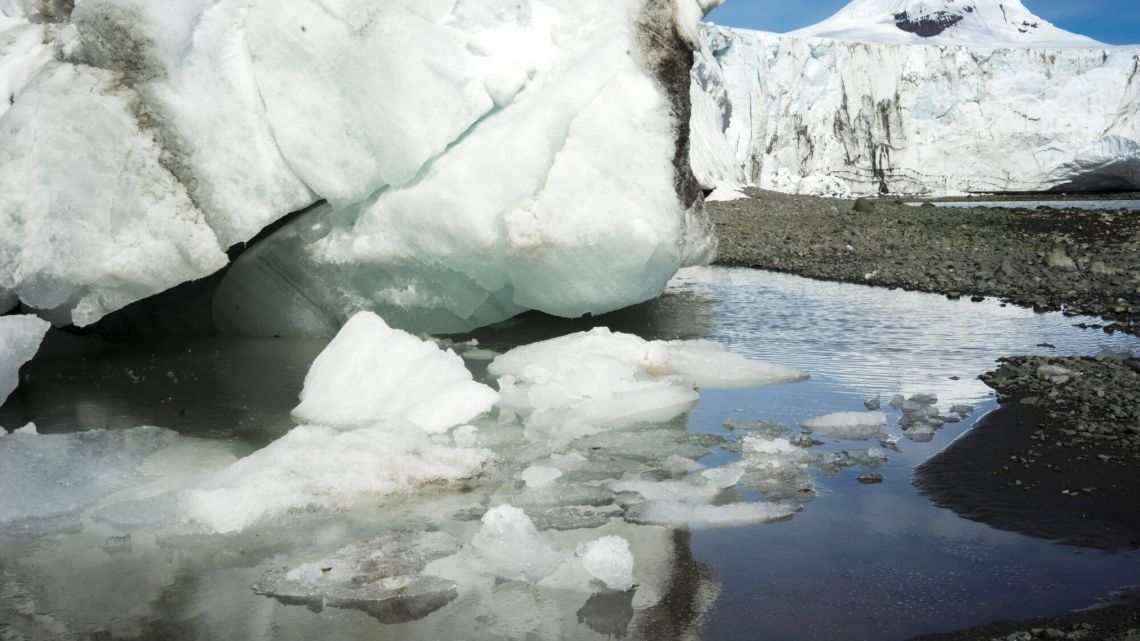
{"type": "Point", "coordinates": [1083, 262]}
{"type": "Point", "coordinates": [1116, 619]}
{"type": "Point", "coordinates": [1060, 459]}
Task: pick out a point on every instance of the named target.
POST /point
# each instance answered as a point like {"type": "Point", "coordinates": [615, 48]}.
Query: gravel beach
{"type": "Point", "coordinates": [1060, 460]}
{"type": "Point", "coordinates": [1115, 619]}
{"type": "Point", "coordinates": [1080, 261]}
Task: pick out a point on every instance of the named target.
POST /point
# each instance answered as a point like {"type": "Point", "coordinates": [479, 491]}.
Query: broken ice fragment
{"type": "Point", "coordinates": [609, 560]}
{"type": "Point", "coordinates": [371, 373]}
{"type": "Point", "coordinates": [316, 467]}
{"type": "Point", "coordinates": [606, 379]}
{"type": "Point", "coordinates": [513, 548]}
{"type": "Point", "coordinates": [20, 338]}
{"type": "Point", "coordinates": [379, 577]}
{"type": "Point", "coordinates": [48, 479]}
{"type": "Point", "coordinates": [855, 426]}
{"type": "Point", "coordinates": [676, 513]}
{"type": "Point", "coordinates": [537, 476]}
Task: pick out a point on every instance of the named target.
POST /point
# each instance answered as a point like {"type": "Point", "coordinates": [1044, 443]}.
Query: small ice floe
{"type": "Point", "coordinates": [380, 577]}
{"type": "Point", "coordinates": [321, 468]}
{"type": "Point", "coordinates": [678, 513]}
{"type": "Point", "coordinates": [769, 428]}
{"type": "Point", "coordinates": [854, 426]}
{"type": "Point", "coordinates": [50, 479]}
{"type": "Point", "coordinates": [371, 373]}
{"type": "Point", "coordinates": [537, 476]}
{"type": "Point", "coordinates": [609, 560]}
{"type": "Point", "coordinates": [605, 379]}
{"type": "Point", "coordinates": [512, 548]}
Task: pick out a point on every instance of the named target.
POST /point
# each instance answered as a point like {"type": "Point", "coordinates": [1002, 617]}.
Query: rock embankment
{"type": "Point", "coordinates": [1085, 262]}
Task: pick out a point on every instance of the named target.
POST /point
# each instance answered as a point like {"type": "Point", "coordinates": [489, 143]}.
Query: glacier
{"type": "Point", "coordinates": [476, 159]}
{"type": "Point", "coordinates": [857, 105]}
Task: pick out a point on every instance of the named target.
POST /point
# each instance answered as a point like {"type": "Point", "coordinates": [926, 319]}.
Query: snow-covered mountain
{"type": "Point", "coordinates": [874, 108]}
{"type": "Point", "coordinates": [471, 158]}
{"type": "Point", "coordinates": [967, 22]}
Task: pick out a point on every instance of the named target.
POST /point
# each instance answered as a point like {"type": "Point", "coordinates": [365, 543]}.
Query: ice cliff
{"type": "Point", "coordinates": [467, 160]}
{"type": "Point", "coordinates": [920, 97]}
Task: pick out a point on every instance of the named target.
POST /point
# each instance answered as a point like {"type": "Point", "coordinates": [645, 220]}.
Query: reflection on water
{"type": "Point", "coordinates": [860, 341]}
{"type": "Point", "coordinates": [858, 562]}
{"type": "Point", "coordinates": [1032, 204]}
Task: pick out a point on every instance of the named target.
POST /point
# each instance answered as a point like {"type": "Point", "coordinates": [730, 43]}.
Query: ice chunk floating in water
{"type": "Point", "coordinates": [49, 479]}
{"type": "Point", "coordinates": [314, 468]}
{"type": "Point", "coordinates": [513, 548]}
{"type": "Point", "coordinates": [371, 373]}
{"type": "Point", "coordinates": [601, 378]}
{"type": "Point", "coordinates": [856, 426]}
{"type": "Point", "coordinates": [609, 560]}
{"type": "Point", "coordinates": [380, 577]}
{"type": "Point", "coordinates": [20, 338]}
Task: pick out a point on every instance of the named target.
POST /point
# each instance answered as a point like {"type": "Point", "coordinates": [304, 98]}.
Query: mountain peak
{"type": "Point", "coordinates": [970, 22]}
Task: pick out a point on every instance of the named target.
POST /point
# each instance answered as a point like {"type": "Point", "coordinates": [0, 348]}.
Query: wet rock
{"type": "Point", "coordinates": [870, 478]}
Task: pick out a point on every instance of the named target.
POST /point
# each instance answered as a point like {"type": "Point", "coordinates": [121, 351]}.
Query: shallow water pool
{"type": "Point", "coordinates": [854, 562]}
{"type": "Point", "coordinates": [1033, 204]}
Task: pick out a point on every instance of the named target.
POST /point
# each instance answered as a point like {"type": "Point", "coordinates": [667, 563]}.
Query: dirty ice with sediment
{"type": "Point", "coordinates": [891, 97]}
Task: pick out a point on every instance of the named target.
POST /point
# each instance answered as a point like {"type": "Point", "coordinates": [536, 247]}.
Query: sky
{"type": "Point", "coordinates": [1110, 21]}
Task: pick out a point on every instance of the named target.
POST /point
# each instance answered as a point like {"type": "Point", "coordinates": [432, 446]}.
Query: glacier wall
{"type": "Point", "coordinates": [819, 116]}
{"type": "Point", "coordinates": [471, 159]}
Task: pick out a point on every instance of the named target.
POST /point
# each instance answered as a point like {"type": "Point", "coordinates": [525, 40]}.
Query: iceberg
{"type": "Point", "coordinates": [889, 96]}
{"type": "Point", "coordinates": [20, 338]}
{"type": "Point", "coordinates": [449, 165]}
{"type": "Point", "coordinates": [371, 373]}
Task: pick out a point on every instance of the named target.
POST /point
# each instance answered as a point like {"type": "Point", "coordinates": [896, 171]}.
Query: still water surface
{"type": "Point", "coordinates": [858, 562]}
{"type": "Point", "coordinates": [1033, 204]}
